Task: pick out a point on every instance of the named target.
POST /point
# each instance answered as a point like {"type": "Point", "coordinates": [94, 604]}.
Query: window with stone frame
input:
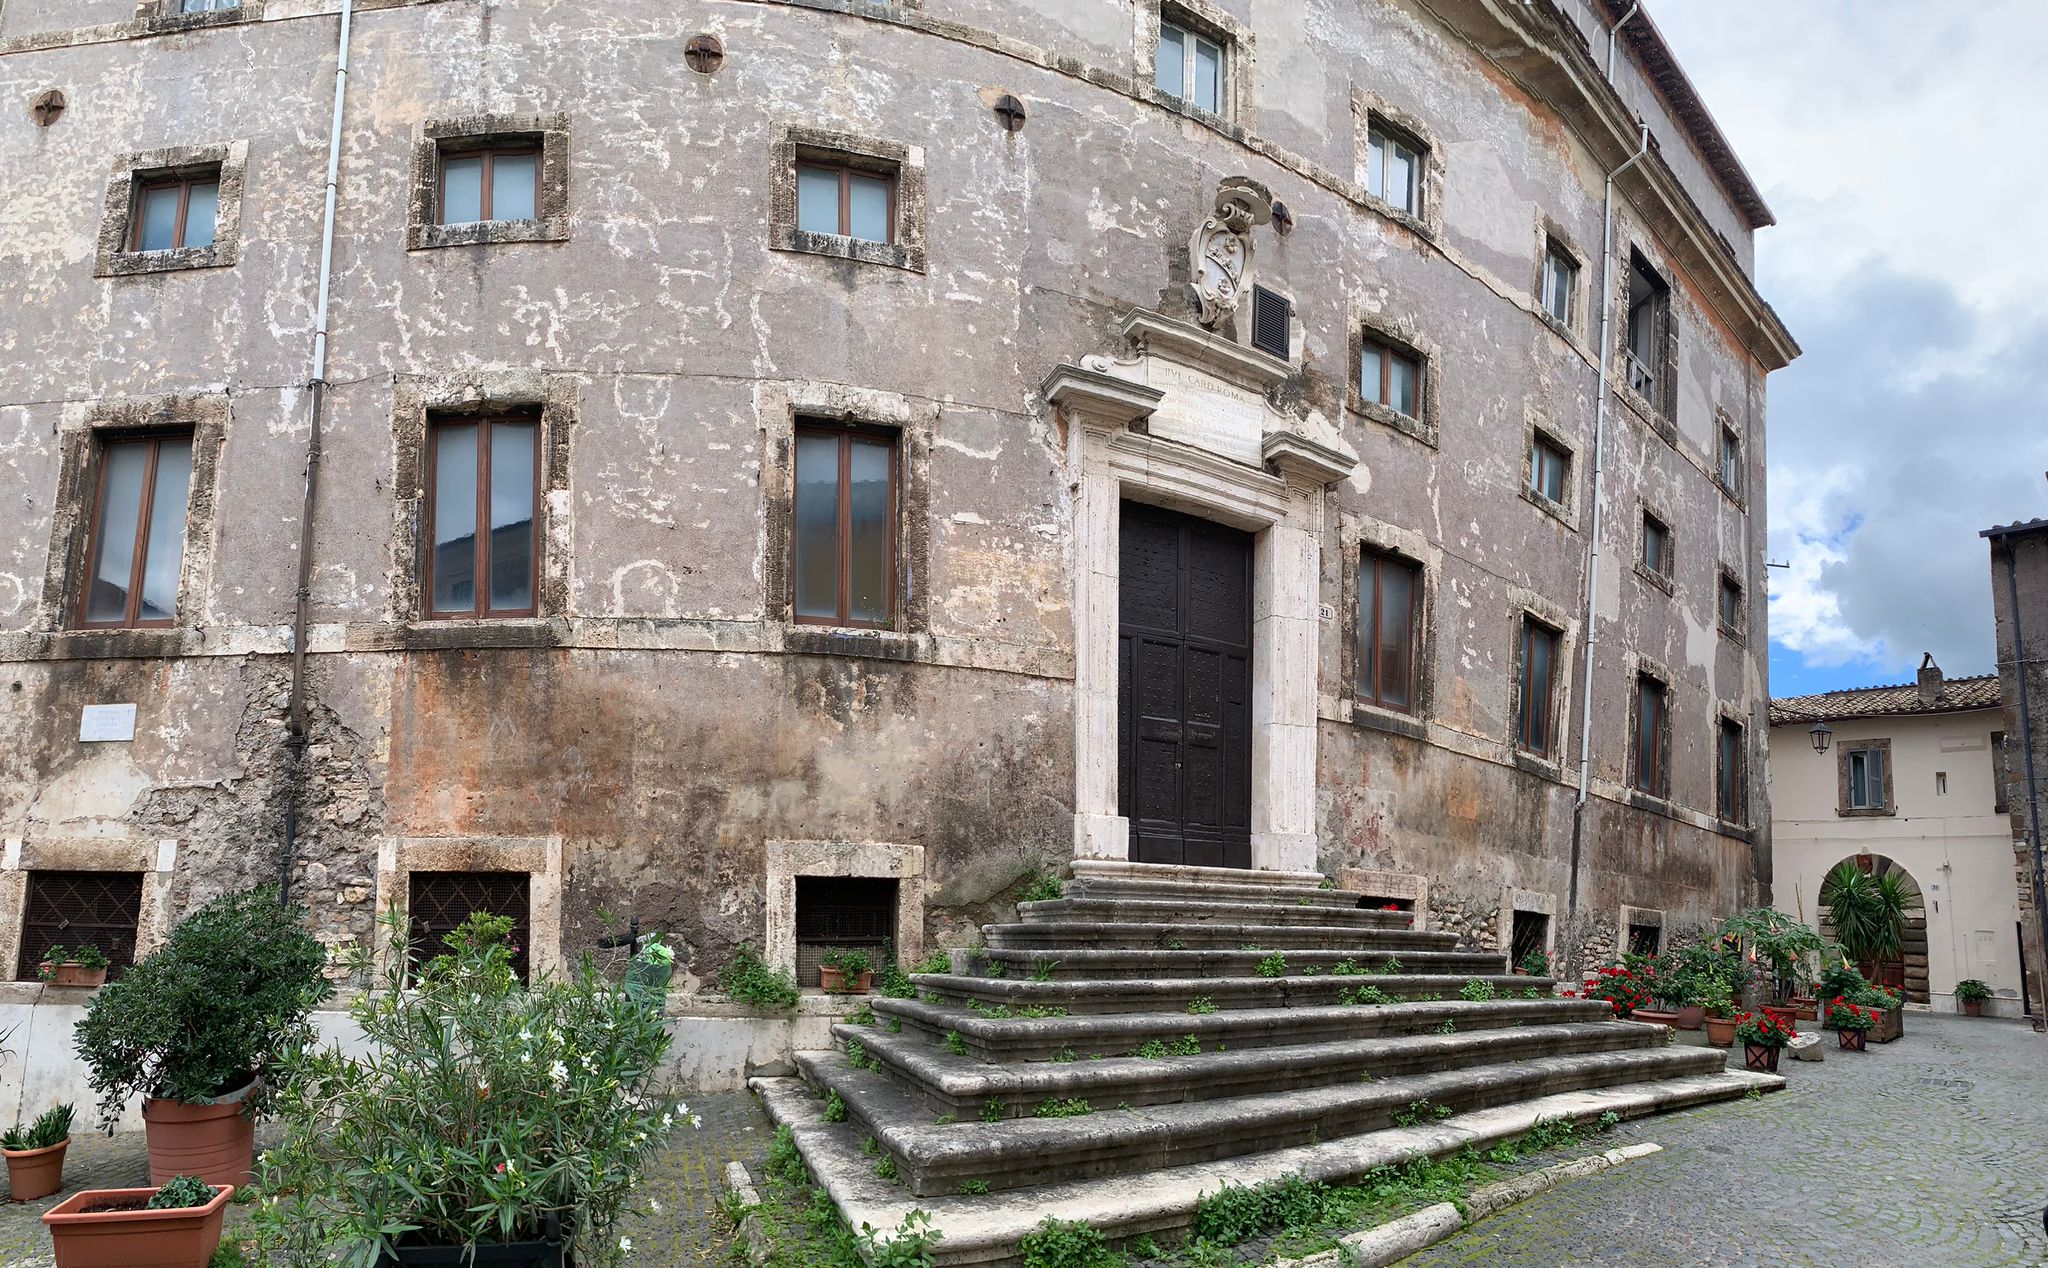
{"type": "Point", "coordinates": [202, 6]}
{"type": "Point", "coordinates": [1535, 692]}
{"type": "Point", "coordinates": [843, 913]}
{"type": "Point", "coordinates": [489, 178]}
{"type": "Point", "coordinates": [1651, 745]}
{"type": "Point", "coordinates": [1998, 802]}
{"type": "Point", "coordinates": [1389, 630]}
{"type": "Point", "coordinates": [437, 903]}
{"type": "Point", "coordinates": [135, 550]}
{"type": "Point", "coordinates": [1729, 461]}
{"type": "Point", "coordinates": [1390, 374]}
{"type": "Point", "coordinates": [1657, 552]}
{"type": "Point", "coordinates": [847, 196]}
{"type": "Point", "coordinates": [1394, 165]}
{"type": "Point", "coordinates": [483, 533]}
{"type": "Point", "coordinates": [1731, 773]}
{"type": "Point", "coordinates": [1528, 935]}
{"type": "Point", "coordinates": [1864, 777]}
{"type": "Point", "coordinates": [1192, 62]}
{"type": "Point", "coordinates": [843, 539]}
{"type": "Point", "coordinates": [1649, 313]}
{"type": "Point", "coordinates": [1731, 610]}
{"type": "Point", "coordinates": [78, 909]}
{"type": "Point", "coordinates": [1550, 469]}
{"type": "Point", "coordinates": [1560, 282]}
{"type": "Point", "coordinates": [175, 210]}
{"type": "Point", "coordinates": [840, 199]}
{"type": "Point", "coordinates": [1645, 940]}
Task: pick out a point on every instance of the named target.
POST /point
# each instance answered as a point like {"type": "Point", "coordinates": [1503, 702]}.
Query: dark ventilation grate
{"type": "Point", "coordinates": [1271, 315]}
{"type": "Point", "coordinates": [1531, 933]}
{"type": "Point", "coordinates": [836, 913]}
{"type": "Point", "coordinates": [71, 909]}
{"type": "Point", "coordinates": [440, 901]}
{"type": "Point", "coordinates": [1645, 939]}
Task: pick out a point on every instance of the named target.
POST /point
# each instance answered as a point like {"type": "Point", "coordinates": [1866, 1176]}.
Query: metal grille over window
{"type": "Point", "coordinates": [1272, 314]}
{"type": "Point", "coordinates": [441, 901]}
{"type": "Point", "coordinates": [842, 913]}
{"type": "Point", "coordinates": [76, 909]}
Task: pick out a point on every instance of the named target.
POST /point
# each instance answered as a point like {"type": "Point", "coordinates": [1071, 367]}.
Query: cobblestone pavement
{"type": "Point", "coordinates": [1931, 1152]}
{"type": "Point", "coordinates": [685, 1181]}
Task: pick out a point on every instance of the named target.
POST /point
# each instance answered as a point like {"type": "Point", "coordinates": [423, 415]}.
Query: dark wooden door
{"type": "Point", "coordinates": [1184, 677]}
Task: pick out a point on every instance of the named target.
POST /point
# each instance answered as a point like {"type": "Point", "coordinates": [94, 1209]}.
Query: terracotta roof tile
{"type": "Point", "coordinates": [1977, 692]}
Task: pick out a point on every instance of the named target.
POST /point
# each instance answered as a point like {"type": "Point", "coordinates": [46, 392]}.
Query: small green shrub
{"type": "Point", "coordinates": [1041, 884]}
{"type": "Point", "coordinates": [748, 979]}
{"type": "Point", "coordinates": [936, 962]}
{"type": "Point", "coordinates": [955, 1044]}
{"type": "Point", "coordinates": [852, 962]}
{"type": "Point", "coordinates": [911, 1246]}
{"type": "Point", "coordinates": [1152, 1050]}
{"type": "Point", "coordinates": [1449, 1027]}
{"type": "Point", "coordinates": [1346, 967]}
{"type": "Point", "coordinates": [886, 1169]}
{"type": "Point", "coordinates": [1274, 965]}
{"type": "Point", "coordinates": [51, 1127]}
{"type": "Point", "coordinates": [862, 1016]}
{"type": "Point", "coordinates": [1063, 1056]}
{"type": "Point", "coordinates": [1201, 1004]}
{"type": "Point", "coordinates": [1066, 1244]}
{"type": "Point", "coordinates": [1041, 969]}
{"type": "Point", "coordinates": [857, 1055]}
{"type": "Point", "coordinates": [1187, 1046]}
{"type": "Point", "coordinates": [1072, 1107]}
{"type": "Point", "coordinates": [181, 1191]}
{"type": "Point", "coordinates": [785, 1163]}
{"type": "Point", "coordinates": [835, 1109]}
{"type": "Point", "coordinates": [1366, 995]}
{"type": "Point", "coordinates": [1477, 991]}
{"type": "Point", "coordinates": [973, 1188]}
{"type": "Point", "coordinates": [1392, 964]}
{"type": "Point", "coordinates": [992, 1112]}
{"type": "Point", "coordinates": [732, 1208]}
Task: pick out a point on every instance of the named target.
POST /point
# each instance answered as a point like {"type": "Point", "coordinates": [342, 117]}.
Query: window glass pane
{"type": "Point", "coordinates": [120, 508]}
{"type": "Point", "coordinates": [1397, 609]}
{"type": "Point", "coordinates": [817, 525]}
{"type": "Point", "coordinates": [1536, 686]}
{"type": "Point", "coordinates": [1876, 779]}
{"type": "Point", "coordinates": [455, 518]}
{"type": "Point", "coordinates": [1558, 273]}
{"type": "Point", "coordinates": [512, 177]}
{"type": "Point", "coordinates": [1650, 700]}
{"type": "Point", "coordinates": [462, 189]}
{"type": "Point", "coordinates": [1368, 628]}
{"type": "Point", "coordinates": [511, 558]}
{"type": "Point", "coordinates": [1369, 366]}
{"type": "Point", "coordinates": [1172, 65]}
{"type": "Point", "coordinates": [159, 219]}
{"type": "Point", "coordinates": [199, 208]}
{"type": "Point", "coordinates": [1400, 176]}
{"type": "Point", "coordinates": [1401, 386]}
{"type": "Point", "coordinates": [868, 207]}
{"type": "Point", "coordinates": [1859, 780]}
{"type": "Point", "coordinates": [165, 550]}
{"type": "Point", "coordinates": [868, 559]}
{"type": "Point", "coordinates": [1376, 165]}
{"type": "Point", "coordinates": [1208, 76]}
{"type": "Point", "coordinates": [817, 200]}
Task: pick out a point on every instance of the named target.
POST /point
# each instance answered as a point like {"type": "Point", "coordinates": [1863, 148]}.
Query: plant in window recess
{"type": "Point", "coordinates": [478, 1115]}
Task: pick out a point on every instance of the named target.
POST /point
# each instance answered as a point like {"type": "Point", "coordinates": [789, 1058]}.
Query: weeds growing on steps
{"type": "Point", "coordinates": [1365, 995]}
{"type": "Point", "coordinates": [1477, 991]}
{"type": "Point", "coordinates": [1072, 1107]}
{"type": "Point", "coordinates": [1201, 1004]}
{"type": "Point", "coordinates": [835, 1109]}
{"type": "Point", "coordinates": [1041, 884]}
{"type": "Point", "coordinates": [1274, 965]}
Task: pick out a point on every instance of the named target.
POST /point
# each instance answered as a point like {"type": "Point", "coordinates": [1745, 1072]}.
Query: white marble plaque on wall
{"type": "Point", "coordinates": [1203, 410]}
{"type": "Point", "coordinates": [106, 722]}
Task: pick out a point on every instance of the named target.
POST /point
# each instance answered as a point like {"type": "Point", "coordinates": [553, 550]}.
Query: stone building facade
{"type": "Point", "coordinates": [2019, 608]}
{"type": "Point", "coordinates": [1325, 282]}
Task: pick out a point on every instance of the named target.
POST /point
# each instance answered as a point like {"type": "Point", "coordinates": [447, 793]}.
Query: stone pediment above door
{"type": "Point", "coordinates": [1184, 384]}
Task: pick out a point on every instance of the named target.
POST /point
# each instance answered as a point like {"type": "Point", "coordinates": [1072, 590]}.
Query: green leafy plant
{"type": "Point", "coordinates": [748, 979]}
{"type": "Point", "coordinates": [46, 968]}
{"type": "Point", "coordinates": [1062, 1056]}
{"type": "Point", "coordinates": [1367, 994]}
{"type": "Point", "coordinates": [1449, 1026]}
{"type": "Point", "coordinates": [1413, 1113]}
{"type": "Point", "coordinates": [89, 957]}
{"type": "Point", "coordinates": [913, 1245]}
{"type": "Point", "coordinates": [1041, 969]}
{"type": "Point", "coordinates": [886, 1169]}
{"type": "Point", "coordinates": [973, 1188]}
{"type": "Point", "coordinates": [1477, 991]}
{"type": "Point", "coordinates": [1972, 991]}
{"type": "Point", "coordinates": [852, 961]}
{"type": "Point", "coordinates": [1201, 1005]}
{"type": "Point", "coordinates": [1390, 965]}
{"type": "Point", "coordinates": [1716, 1000]}
{"type": "Point", "coordinates": [51, 1127]}
{"type": "Point", "coordinates": [1152, 1050]}
{"type": "Point", "coordinates": [857, 1055]}
{"type": "Point", "coordinates": [992, 1111]}
{"type": "Point", "coordinates": [1869, 916]}
{"type": "Point", "coordinates": [1536, 963]}
{"type": "Point", "coordinates": [862, 1016]}
{"type": "Point", "coordinates": [1041, 884]}
{"type": "Point", "coordinates": [1274, 965]}
{"type": "Point", "coordinates": [1843, 1015]}
{"type": "Point", "coordinates": [1762, 1030]}
{"type": "Point", "coordinates": [180, 1192]}
{"type": "Point", "coordinates": [211, 1011]}
{"type": "Point", "coordinates": [1071, 1107]}
{"type": "Point", "coordinates": [835, 1109]}
{"type": "Point", "coordinates": [732, 1208]}
{"type": "Point", "coordinates": [1346, 967]}
{"type": "Point", "coordinates": [955, 1044]}
{"type": "Point", "coordinates": [1187, 1046]}
{"type": "Point", "coordinates": [936, 962]}
{"type": "Point", "coordinates": [1066, 1244]}
{"type": "Point", "coordinates": [1780, 940]}
{"type": "Point", "coordinates": [785, 1162]}
{"type": "Point", "coordinates": [473, 1108]}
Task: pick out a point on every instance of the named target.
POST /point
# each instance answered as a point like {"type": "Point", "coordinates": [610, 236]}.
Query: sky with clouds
{"type": "Point", "coordinates": [1899, 144]}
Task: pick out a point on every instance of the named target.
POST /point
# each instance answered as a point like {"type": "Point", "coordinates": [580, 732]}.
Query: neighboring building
{"type": "Point", "coordinates": [1910, 783]}
{"type": "Point", "coordinates": [785, 469]}
{"type": "Point", "coordinates": [2019, 605]}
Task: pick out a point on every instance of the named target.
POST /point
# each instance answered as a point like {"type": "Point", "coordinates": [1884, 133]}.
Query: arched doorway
{"type": "Point", "coordinates": [1906, 971]}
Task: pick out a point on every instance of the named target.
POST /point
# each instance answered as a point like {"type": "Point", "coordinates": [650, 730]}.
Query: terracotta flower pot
{"type": "Point", "coordinates": [183, 1238]}
{"type": "Point", "coordinates": [1806, 1007]}
{"type": "Point", "coordinates": [35, 1173]}
{"type": "Point", "coordinates": [1720, 1031]}
{"type": "Point", "coordinates": [1756, 1056]}
{"type": "Point", "coordinates": [1656, 1017]}
{"type": "Point", "coordinates": [1786, 1015]}
{"type": "Point", "coordinates": [217, 1143]}
{"type": "Point", "coordinates": [1973, 1008]}
{"type": "Point", "coordinates": [836, 981]}
{"type": "Point", "coordinates": [1850, 1040]}
{"type": "Point", "coordinates": [71, 973]}
{"type": "Point", "coordinates": [1690, 1017]}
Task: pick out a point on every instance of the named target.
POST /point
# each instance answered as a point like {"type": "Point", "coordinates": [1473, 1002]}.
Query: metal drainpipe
{"type": "Point", "coordinates": [2019, 657]}
{"type": "Point", "coordinates": [1599, 449]}
{"type": "Point", "coordinates": [316, 390]}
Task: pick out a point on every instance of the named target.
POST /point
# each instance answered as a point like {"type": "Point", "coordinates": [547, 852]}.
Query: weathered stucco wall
{"type": "Point", "coordinates": [2019, 562]}
{"type": "Point", "coordinates": [662, 718]}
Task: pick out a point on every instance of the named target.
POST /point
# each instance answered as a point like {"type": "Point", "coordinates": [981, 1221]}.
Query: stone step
{"type": "Point", "coordinates": [966, 1088]}
{"type": "Point", "coordinates": [1005, 1039]}
{"type": "Point", "coordinates": [1174, 994]}
{"type": "Point", "coordinates": [1179, 911]}
{"type": "Point", "coordinates": [984, 1231]}
{"type": "Point", "coordinates": [1087, 885]}
{"type": "Point", "coordinates": [1204, 879]}
{"type": "Point", "coordinates": [1016, 1153]}
{"type": "Point", "coordinates": [1196, 960]}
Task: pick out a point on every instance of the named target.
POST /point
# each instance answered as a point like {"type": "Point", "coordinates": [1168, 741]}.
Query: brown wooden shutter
{"type": "Point", "coordinates": [1271, 316]}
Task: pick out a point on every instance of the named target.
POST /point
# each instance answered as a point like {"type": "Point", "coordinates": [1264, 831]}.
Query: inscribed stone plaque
{"type": "Point", "coordinates": [106, 722]}
{"type": "Point", "coordinates": [1203, 410]}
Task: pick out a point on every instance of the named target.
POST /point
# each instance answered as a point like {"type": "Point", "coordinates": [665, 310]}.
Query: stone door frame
{"type": "Point", "coordinates": [1281, 503]}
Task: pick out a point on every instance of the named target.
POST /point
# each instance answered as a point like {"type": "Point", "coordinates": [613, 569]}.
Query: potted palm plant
{"type": "Point", "coordinates": [848, 972]}
{"type": "Point", "coordinates": [194, 1027]}
{"type": "Point", "coordinates": [1971, 994]}
{"type": "Point", "coordinates": [1868, 913]}
{"type": "Point", "coordinates": [482, 1122]}
{"type": "Point", "coordinates": [35, 1154]}
{"type": "Point", "coordinates": [174, 1226]}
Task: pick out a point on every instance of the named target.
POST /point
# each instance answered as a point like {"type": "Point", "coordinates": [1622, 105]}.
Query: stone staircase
{"type": "Point", "coordinates": [1171, 1029]}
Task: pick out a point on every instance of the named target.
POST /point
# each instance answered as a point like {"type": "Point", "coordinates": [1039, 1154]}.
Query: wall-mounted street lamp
{"type": "Point", "coordinates": [1821, 733]}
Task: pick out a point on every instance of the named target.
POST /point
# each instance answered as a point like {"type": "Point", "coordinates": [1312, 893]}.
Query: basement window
{"type": "Point", "coordinates": [1531, 934]}
{"type": "Point", "coordinates": [77, 909]}
{"type": "Point", "coordinates": [439, 902]}
{"type": "Point", "coordinates": [1645, 940]}
{"type": "Point", "coordinates": [842, 913]}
